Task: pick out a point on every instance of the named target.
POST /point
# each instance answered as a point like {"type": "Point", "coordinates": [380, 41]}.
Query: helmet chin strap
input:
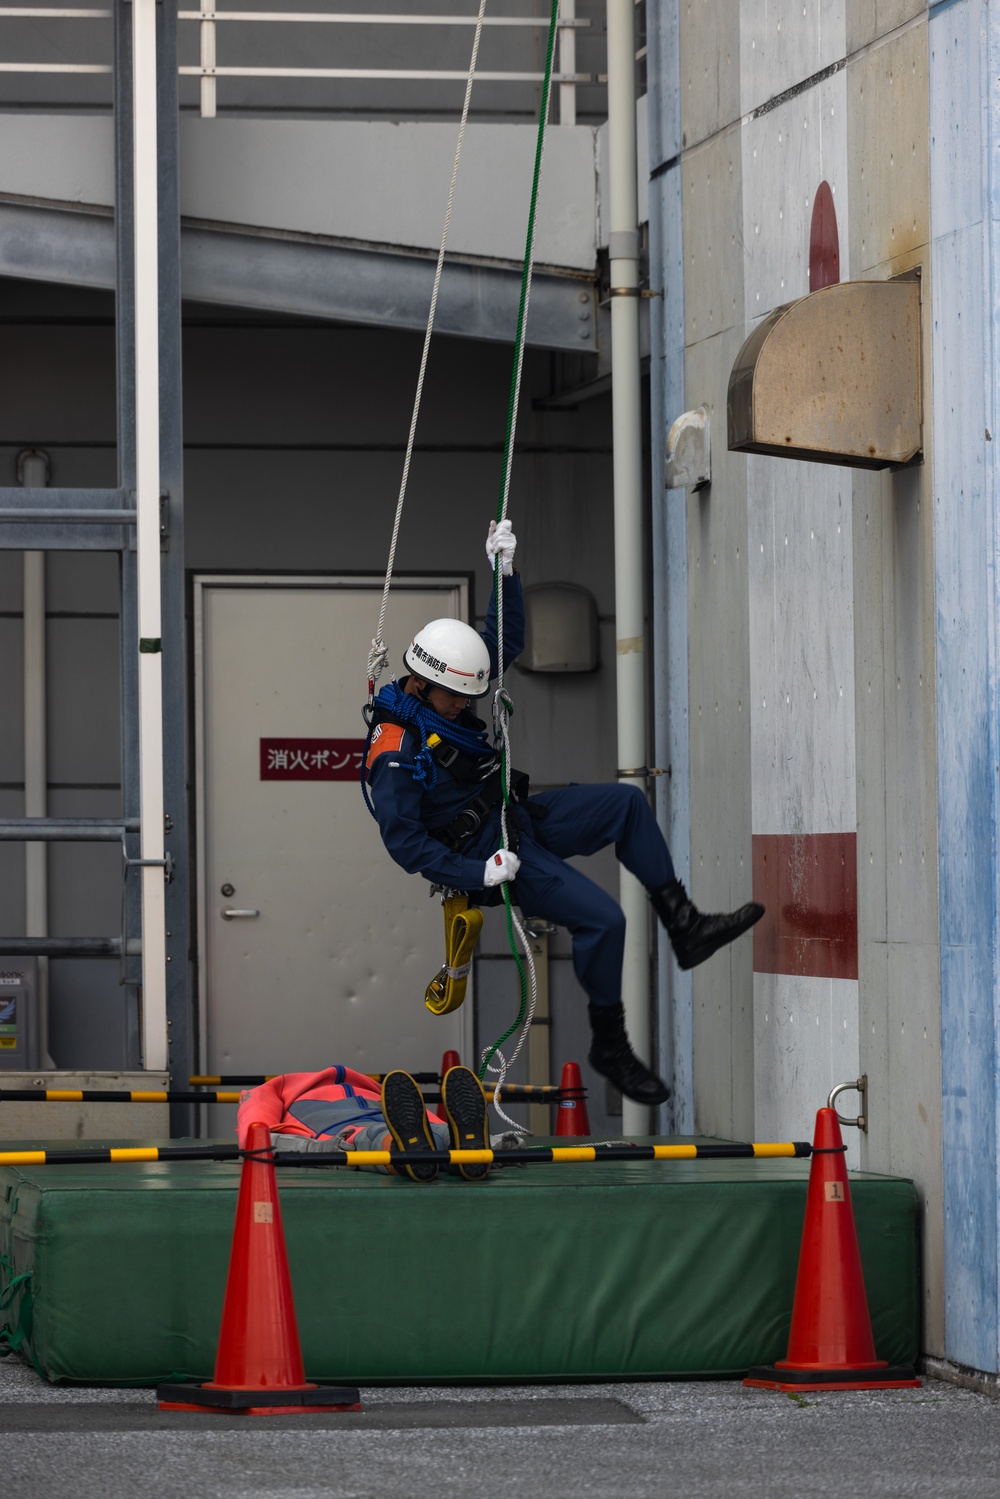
{"type": "Point", "coordinates": [424, 692]}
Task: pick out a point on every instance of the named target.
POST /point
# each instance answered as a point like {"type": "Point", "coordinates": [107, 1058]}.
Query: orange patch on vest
{"type": "Point", "coordinates": [387, 736]}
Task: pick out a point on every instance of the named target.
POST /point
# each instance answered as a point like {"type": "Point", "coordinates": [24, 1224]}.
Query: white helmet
{"type": "Point", "coordinates": [448, 653]}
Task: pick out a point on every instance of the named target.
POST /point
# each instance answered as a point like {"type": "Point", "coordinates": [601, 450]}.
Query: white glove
{"type": "Point", "coordinates": [501, 867]}
{"type": "Point", "coordinates": [501, 542]}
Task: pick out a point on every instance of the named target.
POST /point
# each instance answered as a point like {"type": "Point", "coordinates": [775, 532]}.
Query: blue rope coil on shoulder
{"type": "Point", "coordinates": [421, 719]}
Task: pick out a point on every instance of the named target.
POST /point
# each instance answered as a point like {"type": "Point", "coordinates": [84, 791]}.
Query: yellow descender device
{"type": "Point", "coordinates": [462, 925]}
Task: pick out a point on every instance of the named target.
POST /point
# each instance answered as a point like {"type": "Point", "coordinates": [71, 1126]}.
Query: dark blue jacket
{"type": "Point", "coordinates": [405, 811]}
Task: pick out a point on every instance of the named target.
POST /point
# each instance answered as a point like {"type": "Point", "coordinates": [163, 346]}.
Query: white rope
{"type": "Point", "coordinates": [501, 698]}
{"type": "Point", "coordinates": [378, 656]}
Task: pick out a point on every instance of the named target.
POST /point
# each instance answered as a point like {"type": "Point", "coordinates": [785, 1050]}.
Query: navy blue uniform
{"type": "Point", "coordinates": [573, 820]}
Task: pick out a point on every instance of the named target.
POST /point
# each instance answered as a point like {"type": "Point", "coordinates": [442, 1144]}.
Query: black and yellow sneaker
{"type": "Point", "coordinates": [465, 1109]}
{"type": "Point", "coordinates": [403, 1107]}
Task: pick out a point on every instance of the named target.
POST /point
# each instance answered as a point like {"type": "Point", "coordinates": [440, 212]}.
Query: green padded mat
{"type": "Point", "coordinates": [115, 1274]}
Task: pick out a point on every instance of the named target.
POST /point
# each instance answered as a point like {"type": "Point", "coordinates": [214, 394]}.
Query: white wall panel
{"type": "Point", "coordinates": [709, 67]}
{"type": "Point", "coordinates": [805, 1041]}
{"type": "Point", "coordinates": [870, 709]}
{"type": "Point", "coordinates": [352, 179]}
{"type": "Point", "coordinates": [801, 647]}
{"type": "Point", "coordinates": [783, 42]}
{"type": "Point", "coordinates": [388, 184]}
{"type": "Point", "coordinates": [869, 19]}
{"type": "Point", "coordinates": [786, 154]}
{"type": "Point", "coordinates": [889, 147]}
{"type": "Point", "coordinates": [70, 159]}
{"type": "Point", "coordinates": [720, 747]}
{"type": "Point", "coordinates": [711, 179]}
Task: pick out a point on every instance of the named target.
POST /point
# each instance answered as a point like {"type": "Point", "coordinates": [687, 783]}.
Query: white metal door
{"type": "Point", "coordinates": [315, 947]}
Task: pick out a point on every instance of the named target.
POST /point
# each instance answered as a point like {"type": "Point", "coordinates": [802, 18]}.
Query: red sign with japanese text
{"type": "Point", "coordinates": [311, 759]}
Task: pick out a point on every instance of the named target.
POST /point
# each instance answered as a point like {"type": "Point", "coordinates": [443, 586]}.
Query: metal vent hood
{"type": "Point", "coordinates": [834, 378]}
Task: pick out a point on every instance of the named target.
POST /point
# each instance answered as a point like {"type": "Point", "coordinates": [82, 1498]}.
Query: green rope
{"type": "Point", "coordinates": [515, 384]}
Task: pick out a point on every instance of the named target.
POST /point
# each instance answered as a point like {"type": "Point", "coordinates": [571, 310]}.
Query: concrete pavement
{"type": "Point", "coordinates": [616, 1441]}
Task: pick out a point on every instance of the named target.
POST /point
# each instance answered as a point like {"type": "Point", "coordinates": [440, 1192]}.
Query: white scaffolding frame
{"type": "Point", "coordinates": [147, 450]}
{"type": "Point", "coordinates": [209, 71]}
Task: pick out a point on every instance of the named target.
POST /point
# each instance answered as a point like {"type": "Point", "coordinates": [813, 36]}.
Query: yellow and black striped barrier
{"type": "Point", "coordinates": [547, 1093]}
{"type": "Point", "coordinates": [100, 1095]}
{"type": "Point", "coordinates": [536, 1092]}
{"type": "Point", "coordinates": [254, 1079]}
{"type": "Point", "coordinates": [529, 1156]}
{"type": "Point", "coordinates": [240, 1080]}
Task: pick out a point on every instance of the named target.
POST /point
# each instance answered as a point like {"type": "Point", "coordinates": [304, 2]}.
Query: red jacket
{"type": "Point", "coordinates": [313, 1105]}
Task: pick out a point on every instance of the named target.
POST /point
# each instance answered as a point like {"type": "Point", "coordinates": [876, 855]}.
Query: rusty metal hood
{"type": "Point", "coordinates": [834, 377]}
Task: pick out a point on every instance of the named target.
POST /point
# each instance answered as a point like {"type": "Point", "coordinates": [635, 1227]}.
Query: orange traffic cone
{"type": "Point", "coordinates": [448, 1061]}
{"type": "Point", "coordinates": [830, 1346]}
{"type": "Point", "coordinates": [258, 1364]}
{"type": "Point", "coordinates": [572, 1118]}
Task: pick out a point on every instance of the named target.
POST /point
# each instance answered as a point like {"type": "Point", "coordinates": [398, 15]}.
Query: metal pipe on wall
{"type": "Point", "coordinates": [630, 622]}
{"type": "Point", "coordinates": [147, 448]}
{"type": "Point", "coordinates": [33, 473]}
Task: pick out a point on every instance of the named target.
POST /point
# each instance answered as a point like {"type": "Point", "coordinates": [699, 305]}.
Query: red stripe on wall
{"type": "Point", "coordinates": [809, 884]}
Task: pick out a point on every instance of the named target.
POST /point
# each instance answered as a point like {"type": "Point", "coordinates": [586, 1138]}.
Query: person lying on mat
{"type": "Point", "coordinates": [339, 1109]}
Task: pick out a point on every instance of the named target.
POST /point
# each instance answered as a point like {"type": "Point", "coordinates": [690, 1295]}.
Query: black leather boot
{"type": "Point", "coordinates": [694, 936]}
{"type": "Point", "coordinates": [612, 1056]}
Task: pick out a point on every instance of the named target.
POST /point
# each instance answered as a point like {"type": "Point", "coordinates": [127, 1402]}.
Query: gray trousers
{"type": "Point", "coordinates": [369, 1137]}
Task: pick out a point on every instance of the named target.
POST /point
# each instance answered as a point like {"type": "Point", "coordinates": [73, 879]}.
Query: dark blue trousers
{"type": "Point", "coordinates": [581, 820]}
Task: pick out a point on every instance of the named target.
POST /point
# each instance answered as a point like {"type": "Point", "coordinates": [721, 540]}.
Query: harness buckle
{"type": "Point", "coordinates": [445, 754]}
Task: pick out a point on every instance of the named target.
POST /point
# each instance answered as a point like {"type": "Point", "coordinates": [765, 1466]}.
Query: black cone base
{"type": "Point", "coordinates": [777, 1377]}
{"type": "Point", "coordinates": [314, 1398]}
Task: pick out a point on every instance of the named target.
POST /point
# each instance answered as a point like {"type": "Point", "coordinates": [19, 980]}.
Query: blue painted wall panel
{"type": "Point", "coordinates": [963, 275]}
{"type": "Point", "coordinates": [663, 81]}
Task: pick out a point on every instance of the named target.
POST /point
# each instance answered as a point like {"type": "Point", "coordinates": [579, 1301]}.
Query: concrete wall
{"type": "Point", "coordinates": [810, 618]}
{"type": "Point", "coordinates": [294, 438]}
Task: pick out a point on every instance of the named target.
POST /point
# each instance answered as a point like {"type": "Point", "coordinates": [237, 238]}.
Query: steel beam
{"type": "Point", "coordinates": [354, 284]}
{"type": "Point", "coordinates": [67, 947]}
{"type": "Point", "coordinates": [65, 829]}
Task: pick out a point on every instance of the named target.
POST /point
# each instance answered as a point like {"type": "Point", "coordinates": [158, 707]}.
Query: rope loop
{"type": "Point", "coordinates": [378, 660]}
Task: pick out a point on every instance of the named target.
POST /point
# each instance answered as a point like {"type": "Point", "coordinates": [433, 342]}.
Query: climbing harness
{"type": "Point", "coordinates": [493, 1059]}
{"type": "Point", "coordinates": [462, 925]}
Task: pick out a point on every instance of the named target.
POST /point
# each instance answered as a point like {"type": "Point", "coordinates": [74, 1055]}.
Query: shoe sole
{"type": "Point", "coordinates": [705, 950]}
{"type": "Point", "coordinates": [465, 1109]}
{"type": "Point", "coordinates": [406, 1117]}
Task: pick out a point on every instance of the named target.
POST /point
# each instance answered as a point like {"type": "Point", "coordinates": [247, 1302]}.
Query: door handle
{"type": "Point", "coordinates": [230, 914]}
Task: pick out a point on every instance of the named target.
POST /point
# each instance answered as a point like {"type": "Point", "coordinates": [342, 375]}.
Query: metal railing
{"type": "Point", "coordinates": [209, 69]}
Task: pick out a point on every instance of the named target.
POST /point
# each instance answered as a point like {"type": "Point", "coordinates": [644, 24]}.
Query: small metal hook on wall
{"type": "Point", "coordinates": [860, 1085]}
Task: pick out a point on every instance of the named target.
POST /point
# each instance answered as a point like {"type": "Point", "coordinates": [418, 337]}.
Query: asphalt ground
{"type": "Point", "coordinates": [624, 1441]}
